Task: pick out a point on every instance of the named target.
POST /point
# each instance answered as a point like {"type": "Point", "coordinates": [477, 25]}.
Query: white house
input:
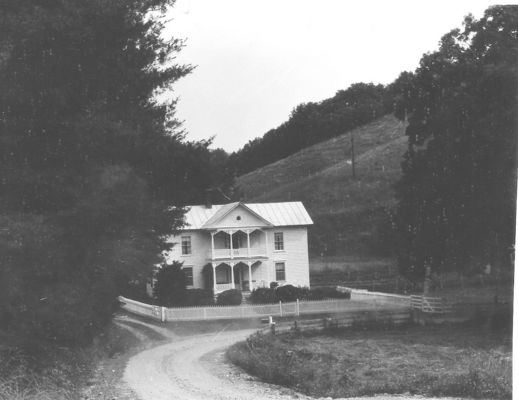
{"type": "Point", "coordinates": [244, 246]}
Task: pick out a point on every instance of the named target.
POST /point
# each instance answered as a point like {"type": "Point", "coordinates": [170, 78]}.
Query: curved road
{"type": "Point", "coordinates": [193, 368]}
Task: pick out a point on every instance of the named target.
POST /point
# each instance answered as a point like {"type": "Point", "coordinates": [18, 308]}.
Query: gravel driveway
{"type": "Point", "coordinates": [194, 368]}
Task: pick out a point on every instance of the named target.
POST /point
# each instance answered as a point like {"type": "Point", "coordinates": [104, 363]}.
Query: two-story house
{"type": "Point", "coordinates": [244, 246]}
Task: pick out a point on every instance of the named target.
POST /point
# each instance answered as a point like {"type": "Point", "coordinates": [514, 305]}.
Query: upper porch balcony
{"type": "Point", "coordinates": [237, 244]}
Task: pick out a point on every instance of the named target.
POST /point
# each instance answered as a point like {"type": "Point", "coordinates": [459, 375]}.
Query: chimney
{"type": "Point", "coordinates": [208, 198]}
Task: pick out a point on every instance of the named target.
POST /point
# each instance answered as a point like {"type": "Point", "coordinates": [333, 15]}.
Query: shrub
{"type": "Point", "coordinates": [263, 296]}
{"type": "Point", "coordinates": [273, 285]}
{"type": "Point", "coordinates": [287, 293]}
{"type": "Point", "coordinates": [232, 297]}
{"type": "Point", "coordinates": [198, 297]}
{"type": "Point", "coordinates": [321, 293]}
{"type": "Point", "coordinates": [170, 287]}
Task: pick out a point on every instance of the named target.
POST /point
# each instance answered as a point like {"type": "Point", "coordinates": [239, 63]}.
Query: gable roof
{"type": "Point", "coordinates": [290, 213]}
{"type": "Point", "coordinates": [226, 209]}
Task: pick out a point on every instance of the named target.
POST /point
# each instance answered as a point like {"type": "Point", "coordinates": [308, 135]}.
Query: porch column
{"type": "Point", "coordinates": [214, 277]}
{"type": "Point", "coordinates": [212, 242]}
{"type": "Point", "coordinates": [267, 264]}
{"type": "Point", "coordinates": [248, 241]}
{"type": "Point", "coordinates": [231, 252]}
{"type": "Point", "coordinates": [250, 285]}
{"type": "Point", "coordinates": [233, 285]}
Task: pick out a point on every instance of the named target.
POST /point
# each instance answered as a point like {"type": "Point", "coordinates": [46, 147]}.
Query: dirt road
{"type": "Point", "coordinates": [193, 368]}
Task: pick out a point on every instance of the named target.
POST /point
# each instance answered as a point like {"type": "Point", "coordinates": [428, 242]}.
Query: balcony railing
{"type": "Point", "coordinates": [238, 253]}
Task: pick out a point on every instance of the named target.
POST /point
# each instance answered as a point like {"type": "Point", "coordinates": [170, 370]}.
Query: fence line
{"type": "Point", "coordinates": [355, 318]}
{"type": "Point", "coordinates": [250, 311]}
{"type": "Point", "coordinates": [435, 305]}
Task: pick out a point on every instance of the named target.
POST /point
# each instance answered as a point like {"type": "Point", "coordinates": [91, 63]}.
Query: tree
{"type": "Point", "coordinates": [311, 123]}
{"type": "Point", "coordinates": [457, 196]}
{"type": "Point", "coordinates": [170, 287]}
{"type": "Point", "coordinates": [90, 163]}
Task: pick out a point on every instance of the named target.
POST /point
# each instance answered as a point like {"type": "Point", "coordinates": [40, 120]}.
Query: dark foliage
{"type": "Point", "coordinates": [457, 196]}
{"type": "Point", "coordinates": [231, 297]}
{"type": "Point", "coordinates": [198, 297]}
{"type": "Point", "coordinates": [289, 293]}
{"type": "Point", "coordinates": [311, 123]}
{"type": "Point", "coordinates": [89, 163]}
{"type": "Point", "coordinates": [170, 287]}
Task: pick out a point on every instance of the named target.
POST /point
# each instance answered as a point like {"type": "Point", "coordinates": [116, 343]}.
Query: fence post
{"type": "Point", "coordinates": [280, 308]}
{"type": "Point", "coordinates": [204, 312]}
{"type": "Point", "coordinates": [297, 309]}
{"type": "Point", "coordinates": [162, 314]}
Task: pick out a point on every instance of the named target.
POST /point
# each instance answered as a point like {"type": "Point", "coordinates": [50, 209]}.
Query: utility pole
{"type": "Point", "coordinates": [352, 154]}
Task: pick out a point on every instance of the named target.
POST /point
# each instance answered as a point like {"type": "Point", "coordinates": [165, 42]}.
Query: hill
{"type": "Point", "coordinates": [350, 215]}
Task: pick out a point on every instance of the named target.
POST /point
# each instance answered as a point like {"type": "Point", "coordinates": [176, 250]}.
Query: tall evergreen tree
{"type": "Point", "coordinates": [89, 162]}
{"type": "Point", "coordinates": [457, 196]}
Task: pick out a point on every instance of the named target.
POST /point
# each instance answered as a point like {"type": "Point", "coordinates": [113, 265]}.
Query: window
{"type": "Point", "coordinates": [278, 240]}
{"type": "Point", "coordinates": [189, 281]}
{"type": "Point", "coordinates": [280, 271]}
{"type": "Point", "coordinates": [186, 245]}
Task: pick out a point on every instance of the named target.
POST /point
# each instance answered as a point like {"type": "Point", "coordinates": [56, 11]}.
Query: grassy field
{"type": "Point", "coordinates": [42, 371]}
{"type": "Point", "coordinates": [348, 213]}
{"type": "Point", "coordinates": [470, 360]}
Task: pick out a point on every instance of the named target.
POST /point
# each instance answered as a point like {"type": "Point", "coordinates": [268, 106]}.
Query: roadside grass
{"type": "Point", "coordinates": [41, 371]}
{"type": "Point", "coordinates": [468, 360]}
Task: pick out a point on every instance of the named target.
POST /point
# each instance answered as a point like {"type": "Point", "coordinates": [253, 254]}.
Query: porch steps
{"type": "Point", "coordinates": [246, 296]}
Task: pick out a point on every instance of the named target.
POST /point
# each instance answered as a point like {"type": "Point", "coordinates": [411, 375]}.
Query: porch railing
{"type": "Point", "coordinates": [238, 253]}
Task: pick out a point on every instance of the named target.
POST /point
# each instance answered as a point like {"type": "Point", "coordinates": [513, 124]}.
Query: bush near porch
{"type": "Point", "coordinates": [288, 293]}
{"type": "Point", "coordinates": [231, 297]}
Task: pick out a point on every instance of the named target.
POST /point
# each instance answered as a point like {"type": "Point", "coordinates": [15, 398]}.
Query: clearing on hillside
{"type": "Point", "coordinates": [350, 214]}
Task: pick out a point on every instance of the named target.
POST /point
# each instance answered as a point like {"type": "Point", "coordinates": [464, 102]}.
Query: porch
{"type": "Point", "coordinates": [242, 243]}
{"type": "Point", "coordinates": [243, 276]}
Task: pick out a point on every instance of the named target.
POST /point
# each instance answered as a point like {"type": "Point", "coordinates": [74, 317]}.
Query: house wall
{"type": "Point", "coordinates": [294, 255]}
{"type": "Point", "coordinates": [201, 247]}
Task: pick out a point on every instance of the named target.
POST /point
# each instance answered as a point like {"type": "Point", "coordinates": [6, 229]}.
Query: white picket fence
{"type": "Point", "coordinates": [247, 311]}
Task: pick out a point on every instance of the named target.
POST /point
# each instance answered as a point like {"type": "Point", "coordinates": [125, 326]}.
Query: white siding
{"type": "Point", "coordinates": [200, 246]}
{"type": "Point", "coordinates": [294, 255]}
{"type": "Point", "coordinates": [246, 219]}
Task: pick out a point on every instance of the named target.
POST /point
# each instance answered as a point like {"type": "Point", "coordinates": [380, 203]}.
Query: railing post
{"type": "Point", "coordinates": [280, 308]}
{"type": "Point", "coordinates": [162, 314]}
{"type": "Point", "coordinates": [204, 312]}
{"type": "Point", "coordinates": [297, 308]}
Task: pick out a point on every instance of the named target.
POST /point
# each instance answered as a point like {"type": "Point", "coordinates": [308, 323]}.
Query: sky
{"type": "Point", "coordinates": [258, 59]}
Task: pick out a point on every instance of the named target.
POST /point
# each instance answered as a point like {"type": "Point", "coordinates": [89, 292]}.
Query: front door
{"type": "Point", "coordinates": [237, 276]}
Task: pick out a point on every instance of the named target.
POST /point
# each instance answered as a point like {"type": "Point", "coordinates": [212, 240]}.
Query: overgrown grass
{"type": "Point", "coordinates": [461, 361]}
{"type": "Point", "coordinates": [321, 177]}
{"type": "Point", "coordinates": [38, 370]}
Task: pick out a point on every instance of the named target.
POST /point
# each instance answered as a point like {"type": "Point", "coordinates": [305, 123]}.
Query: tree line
{"type": "Point", "coordinates": [93, 170]}
{"type": "Point", "coordinates": [314, 122]}
{"type": "Point", "coordinates": [457, 196]}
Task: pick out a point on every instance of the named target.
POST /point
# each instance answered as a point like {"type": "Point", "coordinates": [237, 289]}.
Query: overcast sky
{"type": "Point", "coordinates": [257, 59]}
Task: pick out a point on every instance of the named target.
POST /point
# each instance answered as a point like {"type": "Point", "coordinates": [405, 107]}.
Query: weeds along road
{"type": "Point", "coordinates": [194, 368]}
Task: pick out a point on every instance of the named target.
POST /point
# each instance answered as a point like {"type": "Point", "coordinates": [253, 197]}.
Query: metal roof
{"type": "Point", "coordinates": [291, 213]}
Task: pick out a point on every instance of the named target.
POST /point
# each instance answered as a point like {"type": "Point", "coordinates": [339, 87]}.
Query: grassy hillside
{"type": "Point", "coordinates": [350, 215]}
